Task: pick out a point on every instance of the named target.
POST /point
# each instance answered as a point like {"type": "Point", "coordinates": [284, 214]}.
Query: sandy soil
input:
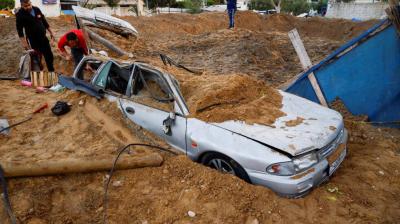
{"type": "Point", "coordinates": [366, 188]}
{"type": "Point", "coordinates": [235, 97]}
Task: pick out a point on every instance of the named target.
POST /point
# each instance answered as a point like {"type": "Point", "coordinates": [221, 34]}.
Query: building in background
{"type": "Point", "coordinates": [52, 8]}
{"type": "Point", "coordinates": [49, 8]}
{"type": "Point", "coordinates": [124, 7]}
{"type": "Point", "coordinates": [66, 6]}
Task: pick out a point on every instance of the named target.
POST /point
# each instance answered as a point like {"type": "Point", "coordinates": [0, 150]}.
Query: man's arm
{"type": "Point", "coordinates": [20, 30]}
{"type": "Point", "coordinates": [61, 47]}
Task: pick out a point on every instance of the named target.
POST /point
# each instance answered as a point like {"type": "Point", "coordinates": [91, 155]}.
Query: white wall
{"type": "Point", "coordinates": [119, 11]}
{"type": "Point", "coordinates": [362, 11]}
{"type": "Point", "coordinates": [48, 10]}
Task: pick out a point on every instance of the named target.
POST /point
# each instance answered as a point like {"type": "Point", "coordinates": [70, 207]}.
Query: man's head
{"type": "Point", "coordinates": [72, 39]}
{"type": "Point", "coordinates": [26, 5]}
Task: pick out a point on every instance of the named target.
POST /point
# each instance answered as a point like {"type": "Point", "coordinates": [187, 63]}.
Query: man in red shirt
{"type": "Point", "coordinates": [75, 40]}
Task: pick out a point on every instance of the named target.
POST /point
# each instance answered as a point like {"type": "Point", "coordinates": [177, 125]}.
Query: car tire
{"type": "Point", "coordinates": [225, 164]}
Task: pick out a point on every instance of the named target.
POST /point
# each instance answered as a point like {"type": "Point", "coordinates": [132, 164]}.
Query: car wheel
{"type": "Point", "coordinates": [225, 164]}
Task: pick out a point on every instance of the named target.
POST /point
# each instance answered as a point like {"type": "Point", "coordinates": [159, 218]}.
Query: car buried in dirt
{"type": "Point", "coordinates": [290, 160]}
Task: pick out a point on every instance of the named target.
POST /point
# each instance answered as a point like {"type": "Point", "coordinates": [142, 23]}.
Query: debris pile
{"type": "Point", "coordinates": [233, 97]}
{"type": "Point", "coordinates": [366, 188]}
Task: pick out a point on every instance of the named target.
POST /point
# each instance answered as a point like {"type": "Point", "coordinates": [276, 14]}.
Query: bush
{"type": "Point", "coordinates": [260, 5]}
{"type": "Point", "coordinates": [295, 6]}
{"type": "Point", "coordinates": [7, 4]}
{"type": "Point", "coordinates": [194, 6]}
{"type": "Point", "coordinates": [211, 2]}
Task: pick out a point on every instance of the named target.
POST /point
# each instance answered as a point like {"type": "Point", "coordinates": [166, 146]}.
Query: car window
{"type": "Point", "coordinates": [114, 77]}
{"type": "Point", "coordinates": [87, 70]}
{"type": "Point", "coordinates": [149, 88]}
{"type": "Point", "coordinates": [101, 79]}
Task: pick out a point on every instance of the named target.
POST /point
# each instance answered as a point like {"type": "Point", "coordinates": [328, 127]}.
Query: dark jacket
{"type": "Point", "coordinates": [231, 4]}
{"type": "Point", "coordinates": [35, 27]}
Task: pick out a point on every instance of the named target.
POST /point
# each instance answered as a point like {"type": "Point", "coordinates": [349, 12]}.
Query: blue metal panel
{"type": "Point", "coordinates": [342, 48]}
{"type": "Point", "coordinates": [304, 89]}
{"type": "Point", "coordinates": [366, 79]}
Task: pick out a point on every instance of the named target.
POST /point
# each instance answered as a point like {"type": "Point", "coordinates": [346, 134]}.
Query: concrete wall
{"type": "Point", "coordinates": [50, 10]}
{"type": "Point", "coordinates": [119, 11]}
{"type": "Point", "coordinates": [362, 11]}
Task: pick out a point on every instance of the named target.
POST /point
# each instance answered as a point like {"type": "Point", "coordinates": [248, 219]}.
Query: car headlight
{"type": "Point", "coordinates": [293, 167]}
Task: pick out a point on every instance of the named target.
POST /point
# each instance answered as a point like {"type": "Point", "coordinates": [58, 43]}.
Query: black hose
{"type": "Point", "coordinates": [105, 200]}
{"type": "Point", "coordinates": [6, 198]}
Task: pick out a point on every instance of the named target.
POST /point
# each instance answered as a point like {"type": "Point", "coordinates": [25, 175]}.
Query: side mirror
{"type": "Point", "coordinates": [167, 123]}
{"type": "Point", "coordinates": [172, 115]}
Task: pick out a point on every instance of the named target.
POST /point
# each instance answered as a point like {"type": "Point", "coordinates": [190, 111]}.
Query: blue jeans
{"type": "Point", "coordinates": [231, 14]}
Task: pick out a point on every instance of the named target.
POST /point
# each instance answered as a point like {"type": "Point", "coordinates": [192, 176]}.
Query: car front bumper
{"type": "Point", "coordinates": [301, 184]}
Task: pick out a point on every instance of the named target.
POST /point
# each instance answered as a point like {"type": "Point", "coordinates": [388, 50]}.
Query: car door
{"type": "Point", "coordinates": [149, 107]}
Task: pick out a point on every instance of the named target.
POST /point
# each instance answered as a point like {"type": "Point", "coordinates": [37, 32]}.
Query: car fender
{"type": "Point", "coordinates": [203, 137]}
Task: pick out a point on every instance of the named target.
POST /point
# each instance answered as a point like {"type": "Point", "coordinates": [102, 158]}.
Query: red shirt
{"type": "Point", "coordinates": [81, 39]}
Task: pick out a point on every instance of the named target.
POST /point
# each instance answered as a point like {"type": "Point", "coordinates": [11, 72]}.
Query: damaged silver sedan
{"type": "Point", "coordinates": [289, 160]}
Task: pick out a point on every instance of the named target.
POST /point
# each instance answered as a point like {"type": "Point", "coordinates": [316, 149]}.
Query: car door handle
{"type": "Point", "coordinates": [130, 110]}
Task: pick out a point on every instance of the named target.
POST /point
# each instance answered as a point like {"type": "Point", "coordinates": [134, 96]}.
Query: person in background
{"type": "Point", "coordinates": [32, 20]}
{"type": "Point", "coordinates": [231, 7]}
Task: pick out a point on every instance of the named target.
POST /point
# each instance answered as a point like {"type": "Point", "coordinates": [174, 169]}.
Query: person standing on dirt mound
{"type": "Point", "coordinates": [31, 19]}
{"type": "Point", "coordinates": [231, 7]}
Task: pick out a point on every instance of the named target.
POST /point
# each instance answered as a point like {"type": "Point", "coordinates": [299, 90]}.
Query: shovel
{"type": "Point", "coordinates": [5, 127]}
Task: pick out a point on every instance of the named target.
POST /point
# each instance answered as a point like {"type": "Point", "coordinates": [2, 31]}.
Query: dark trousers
{"type": "Point", "coordinates": [77, 54]}
{"type": "Point", "coordinates": [231, 14]}
{"type": "Point", "coordinates": [43, 46]}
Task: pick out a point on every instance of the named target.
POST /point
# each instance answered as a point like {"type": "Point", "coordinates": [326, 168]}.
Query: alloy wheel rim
{"type": "Point", "coordinates": [221, 165]}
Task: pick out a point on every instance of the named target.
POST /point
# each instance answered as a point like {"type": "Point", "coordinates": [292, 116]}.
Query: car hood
{"type": "Point", "coordinates": [320, 126]}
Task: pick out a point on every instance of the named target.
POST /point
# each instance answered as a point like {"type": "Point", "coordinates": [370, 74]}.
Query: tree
{"type": "Point", "coordinates": [277, 5]}
{"type": "Point", "coordinates": [7, 4]}
{"type": "Point", "coordinates": [295, 6]}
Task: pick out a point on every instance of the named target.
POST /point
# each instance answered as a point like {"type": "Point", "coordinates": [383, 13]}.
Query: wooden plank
{"type": "Point", "coordinates": [306, 64]}
{"type": "Point", "coordinates": [78, 165]}
{"type": "Point", "coordinates": [317, 89]}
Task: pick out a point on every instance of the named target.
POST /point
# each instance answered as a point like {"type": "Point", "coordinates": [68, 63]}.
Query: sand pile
{"type": "Point", "coordinates": [259, 46]}
{"type": "Point", "coordinates": [235, 97]}
{"type": "Point", "coordinates": [10, 48]}
{"type": "Point", "coordinates": [366, 188]}
{"type": "Point", "coordinates": [93, 130]}
{"type": "Point", "coordinates": [358, 192]}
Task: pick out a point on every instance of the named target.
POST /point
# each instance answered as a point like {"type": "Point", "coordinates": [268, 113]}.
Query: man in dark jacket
{"type": "Point", "coordinates": [33, 21]}
{"type": "Point", "coordinates": [231, 7]}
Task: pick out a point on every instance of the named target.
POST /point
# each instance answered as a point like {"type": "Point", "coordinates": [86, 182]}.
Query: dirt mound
{"type": "Point", "coordinates": [85, 132]}
{"type": "Point", "coordinates": [365, 189]}
{"type": "Point", "coordinates": [259, 46]}
{"type": "Point", "coordinates": [235, 97]}
{"type": "Point", "coordinates": [11, 49]}
{"type": "Point", "coordinates": [320, 27]}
